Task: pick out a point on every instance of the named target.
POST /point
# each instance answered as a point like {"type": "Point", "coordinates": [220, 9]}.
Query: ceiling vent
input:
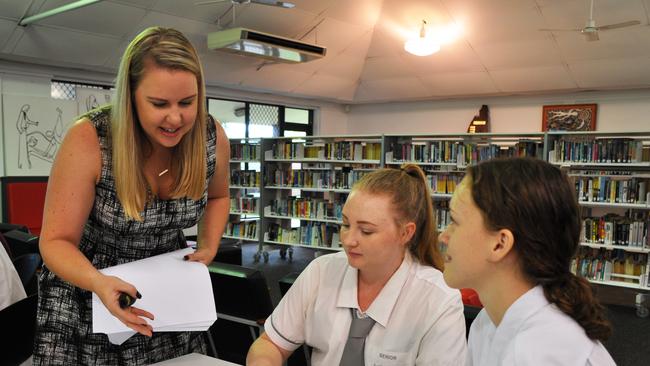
{"type": "Point", "coordinates": [253, 43]}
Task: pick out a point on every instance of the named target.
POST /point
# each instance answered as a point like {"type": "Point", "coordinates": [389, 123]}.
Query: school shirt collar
{"type": "Point", "coordinates": [383, 305]}
{"type": "Point", "coordinates": [523, 308]}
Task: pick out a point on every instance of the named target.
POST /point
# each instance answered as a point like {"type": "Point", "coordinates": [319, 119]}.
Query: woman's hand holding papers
{"type": "Point", "coordinates": [108, 289]}
{"type": "Point", "coordinates": [203, 255]}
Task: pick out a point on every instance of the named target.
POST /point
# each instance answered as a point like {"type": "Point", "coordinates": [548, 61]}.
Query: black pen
{"type": "Point", "coordinates": [125, 300]}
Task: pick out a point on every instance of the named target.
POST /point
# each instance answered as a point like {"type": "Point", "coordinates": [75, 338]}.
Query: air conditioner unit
{"type": "Point", "coordinates": [253, 43]}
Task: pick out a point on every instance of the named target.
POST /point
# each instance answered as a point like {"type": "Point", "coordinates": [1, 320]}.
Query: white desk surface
{"type": "Point", "coordinates": [194, 359]}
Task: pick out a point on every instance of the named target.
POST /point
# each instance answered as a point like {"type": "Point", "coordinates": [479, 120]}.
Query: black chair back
{"type": "Point", "coordinates": [27, 266]}
{"type": "Point", "coordinates": [5, 227]}
{"type": "Point", "coordinates": [470, 312]}
{"type": "Point", "coordinates": [240, 291]}
{"type": "Point", "coordinates": [229, 252]}
{"type": "Point", "coordinates": [243, 303]}
{"type": "Point", "coordinates": [21, 242]}
{"type": "Point", "coordinates": [19, 326]}
{"type": "Point", "coordinates": [286, 281]}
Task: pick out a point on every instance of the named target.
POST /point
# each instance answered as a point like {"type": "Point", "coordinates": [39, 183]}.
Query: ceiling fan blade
{"type": "Point", "coordinates": [282, 4]}
{"type": "Point", "coordinates": [591, 36]}
{"type": "Point", "coordinates": [619, 25]}
{"type": "Point", "coordinates": [211, 2]}
{"type": "Point", "coordinates": [559, 30]}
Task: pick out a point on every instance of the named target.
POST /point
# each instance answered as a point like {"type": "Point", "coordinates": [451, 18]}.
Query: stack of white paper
{"type": "Point", "coordinates": [178, 293]}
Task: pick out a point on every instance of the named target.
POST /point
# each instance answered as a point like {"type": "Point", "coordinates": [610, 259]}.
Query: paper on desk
{"type": "Point", "coordinates": [178, 293]}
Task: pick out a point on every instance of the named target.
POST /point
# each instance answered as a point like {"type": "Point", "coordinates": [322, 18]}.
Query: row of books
{"type": "Point", "coordinates": [312, 208]}
{"type": "Point", "coordinates": [245, 178]}
{"type": "Point", "coordinates": [243, 229]}
{"type": "Point", "coordinates": [443, 183]}
{"type": "Point", "coordinates": [460, 153]}
{"type": "Point", "coordinates": [348, 150]}
{"type": "Point", "coordinates": [607, 150]}
{"type": "Point", "coordinates": [442, 217]}
{"type": "Point", "coordinates": [244, 152]}
{"type": "Point", "coordinates": [311, 233]}
{"type": "Point", "coordinates": [337, 179]}
{"type": "Point", "coordinates": [243, 204]}
{"type": "Point", "coordinates": [612, 190]}
{"type": "Point", "coordinates": [617, 230]}
{"type": "Point", "coordinates": [344, 150]}
{"type": "Point", "coordinates": [611, 265]}
{"type": "Point", "coordinates": [602, 172]}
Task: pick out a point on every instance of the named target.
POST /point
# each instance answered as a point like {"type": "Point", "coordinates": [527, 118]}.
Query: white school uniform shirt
{"type": "Point", "coordinates": [11, 289]}
{"type": "Point", "coordinates": [533, 332]}
{"type": "Point", "coordinates": [419, 320]}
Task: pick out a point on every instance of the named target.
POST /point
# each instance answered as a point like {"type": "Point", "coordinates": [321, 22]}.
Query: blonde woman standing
{"type": "Point", "coordinates": [127, 179]}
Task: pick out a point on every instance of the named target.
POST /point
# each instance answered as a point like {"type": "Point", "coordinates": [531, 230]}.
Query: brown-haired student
{"type": "Point", "coordinates": [515, 227]}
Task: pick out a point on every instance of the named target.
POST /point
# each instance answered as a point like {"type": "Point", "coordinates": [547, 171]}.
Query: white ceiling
{"type": "Point", "coordinates": [501, 51]}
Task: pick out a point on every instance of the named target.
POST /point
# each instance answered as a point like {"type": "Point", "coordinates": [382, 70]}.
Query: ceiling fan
{"type": "Point", "coordinates": [591, 30]}
{"type": "Point", "coordinates": [281, 4]}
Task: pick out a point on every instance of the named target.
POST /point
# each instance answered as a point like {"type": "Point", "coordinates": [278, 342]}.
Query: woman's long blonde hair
{"type": "Point", "coordinates": [167, 48]}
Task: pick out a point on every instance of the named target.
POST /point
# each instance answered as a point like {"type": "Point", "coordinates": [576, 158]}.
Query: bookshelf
{"type": "Point", "coordinates": [305, 183]}
{"type": "Point", "coordinates": [288, 192]}
{"type": "Point", "coordinates": [245, 179]}
{"type": "Point", "coordinates": [445, 157]}
{"type": "Point", "coordinates": [611, 173]}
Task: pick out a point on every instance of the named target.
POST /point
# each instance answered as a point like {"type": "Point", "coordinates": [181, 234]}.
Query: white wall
{"type": "Point", "coordinates": [12, 84]}
{"type": "Point", "coordinates": [617, 111]}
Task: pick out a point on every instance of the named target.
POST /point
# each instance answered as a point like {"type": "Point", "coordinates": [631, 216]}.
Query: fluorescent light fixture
{"type": "Point", "coordinates": [55, 11]}
{"type": "Point", "coordinates": [422, 45]}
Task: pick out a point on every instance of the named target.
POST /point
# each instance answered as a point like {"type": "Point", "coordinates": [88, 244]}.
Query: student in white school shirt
{"type": "Point", "coordinates": [389, 272]}
{"type": "Point", "coordinates": [515, 226]}
{"type": "Point", "coordinates": [11, 289]}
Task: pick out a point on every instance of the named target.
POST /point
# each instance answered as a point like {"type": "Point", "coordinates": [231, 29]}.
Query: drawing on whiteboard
{"type": "Point", "coordinates": [91, 99]}
{"type": "Point", "coordinates": [91, 102]}
{"type": "Point", "coordinates": [22, 124]}
{"type": "Point", "coordinates": [36, 143]}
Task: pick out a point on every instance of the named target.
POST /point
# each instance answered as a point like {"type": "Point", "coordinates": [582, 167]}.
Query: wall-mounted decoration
{"type": "Point", "coordinates": [33, 131]}
{"type": "Point", "coordinates": [569, 117]}
{"type": "Point", "coordinates": [91, 98]}
{"type": "Point", "coordinates": [481, 122]}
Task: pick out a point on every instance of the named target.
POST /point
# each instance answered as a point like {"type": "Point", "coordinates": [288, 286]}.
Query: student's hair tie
{"type": "Point", "coordinates": [410, 173]}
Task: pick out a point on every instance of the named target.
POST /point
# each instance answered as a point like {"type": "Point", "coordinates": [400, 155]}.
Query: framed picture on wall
{"type": "Point", "coordinates": [569, 117]}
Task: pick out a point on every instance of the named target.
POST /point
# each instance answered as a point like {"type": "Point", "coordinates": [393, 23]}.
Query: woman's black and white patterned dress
{"type": "Point", "coordinates": [64, 325]}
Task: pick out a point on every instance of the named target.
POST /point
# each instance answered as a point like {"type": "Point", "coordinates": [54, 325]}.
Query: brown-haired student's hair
{"type": "Point", "coordinates": [537, 203]}
{"type": "Point", "coordinates": [411, 199]}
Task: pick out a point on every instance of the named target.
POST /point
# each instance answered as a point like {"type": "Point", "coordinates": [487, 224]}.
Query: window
{"type": "Point", "coordinates": [264, 120]}
{"type": "Point", "coordinates": [250, 120]}
{"type": "Point", "coordinates": [297, 122]}
{"type": "Point", "coordinates": [67, 90]}
{"type": "Point", "coordinates": [232, 116]}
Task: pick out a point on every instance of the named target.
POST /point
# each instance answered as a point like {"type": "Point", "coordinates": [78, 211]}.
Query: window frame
{"type": "Point", "coordinates": [282, 124]}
